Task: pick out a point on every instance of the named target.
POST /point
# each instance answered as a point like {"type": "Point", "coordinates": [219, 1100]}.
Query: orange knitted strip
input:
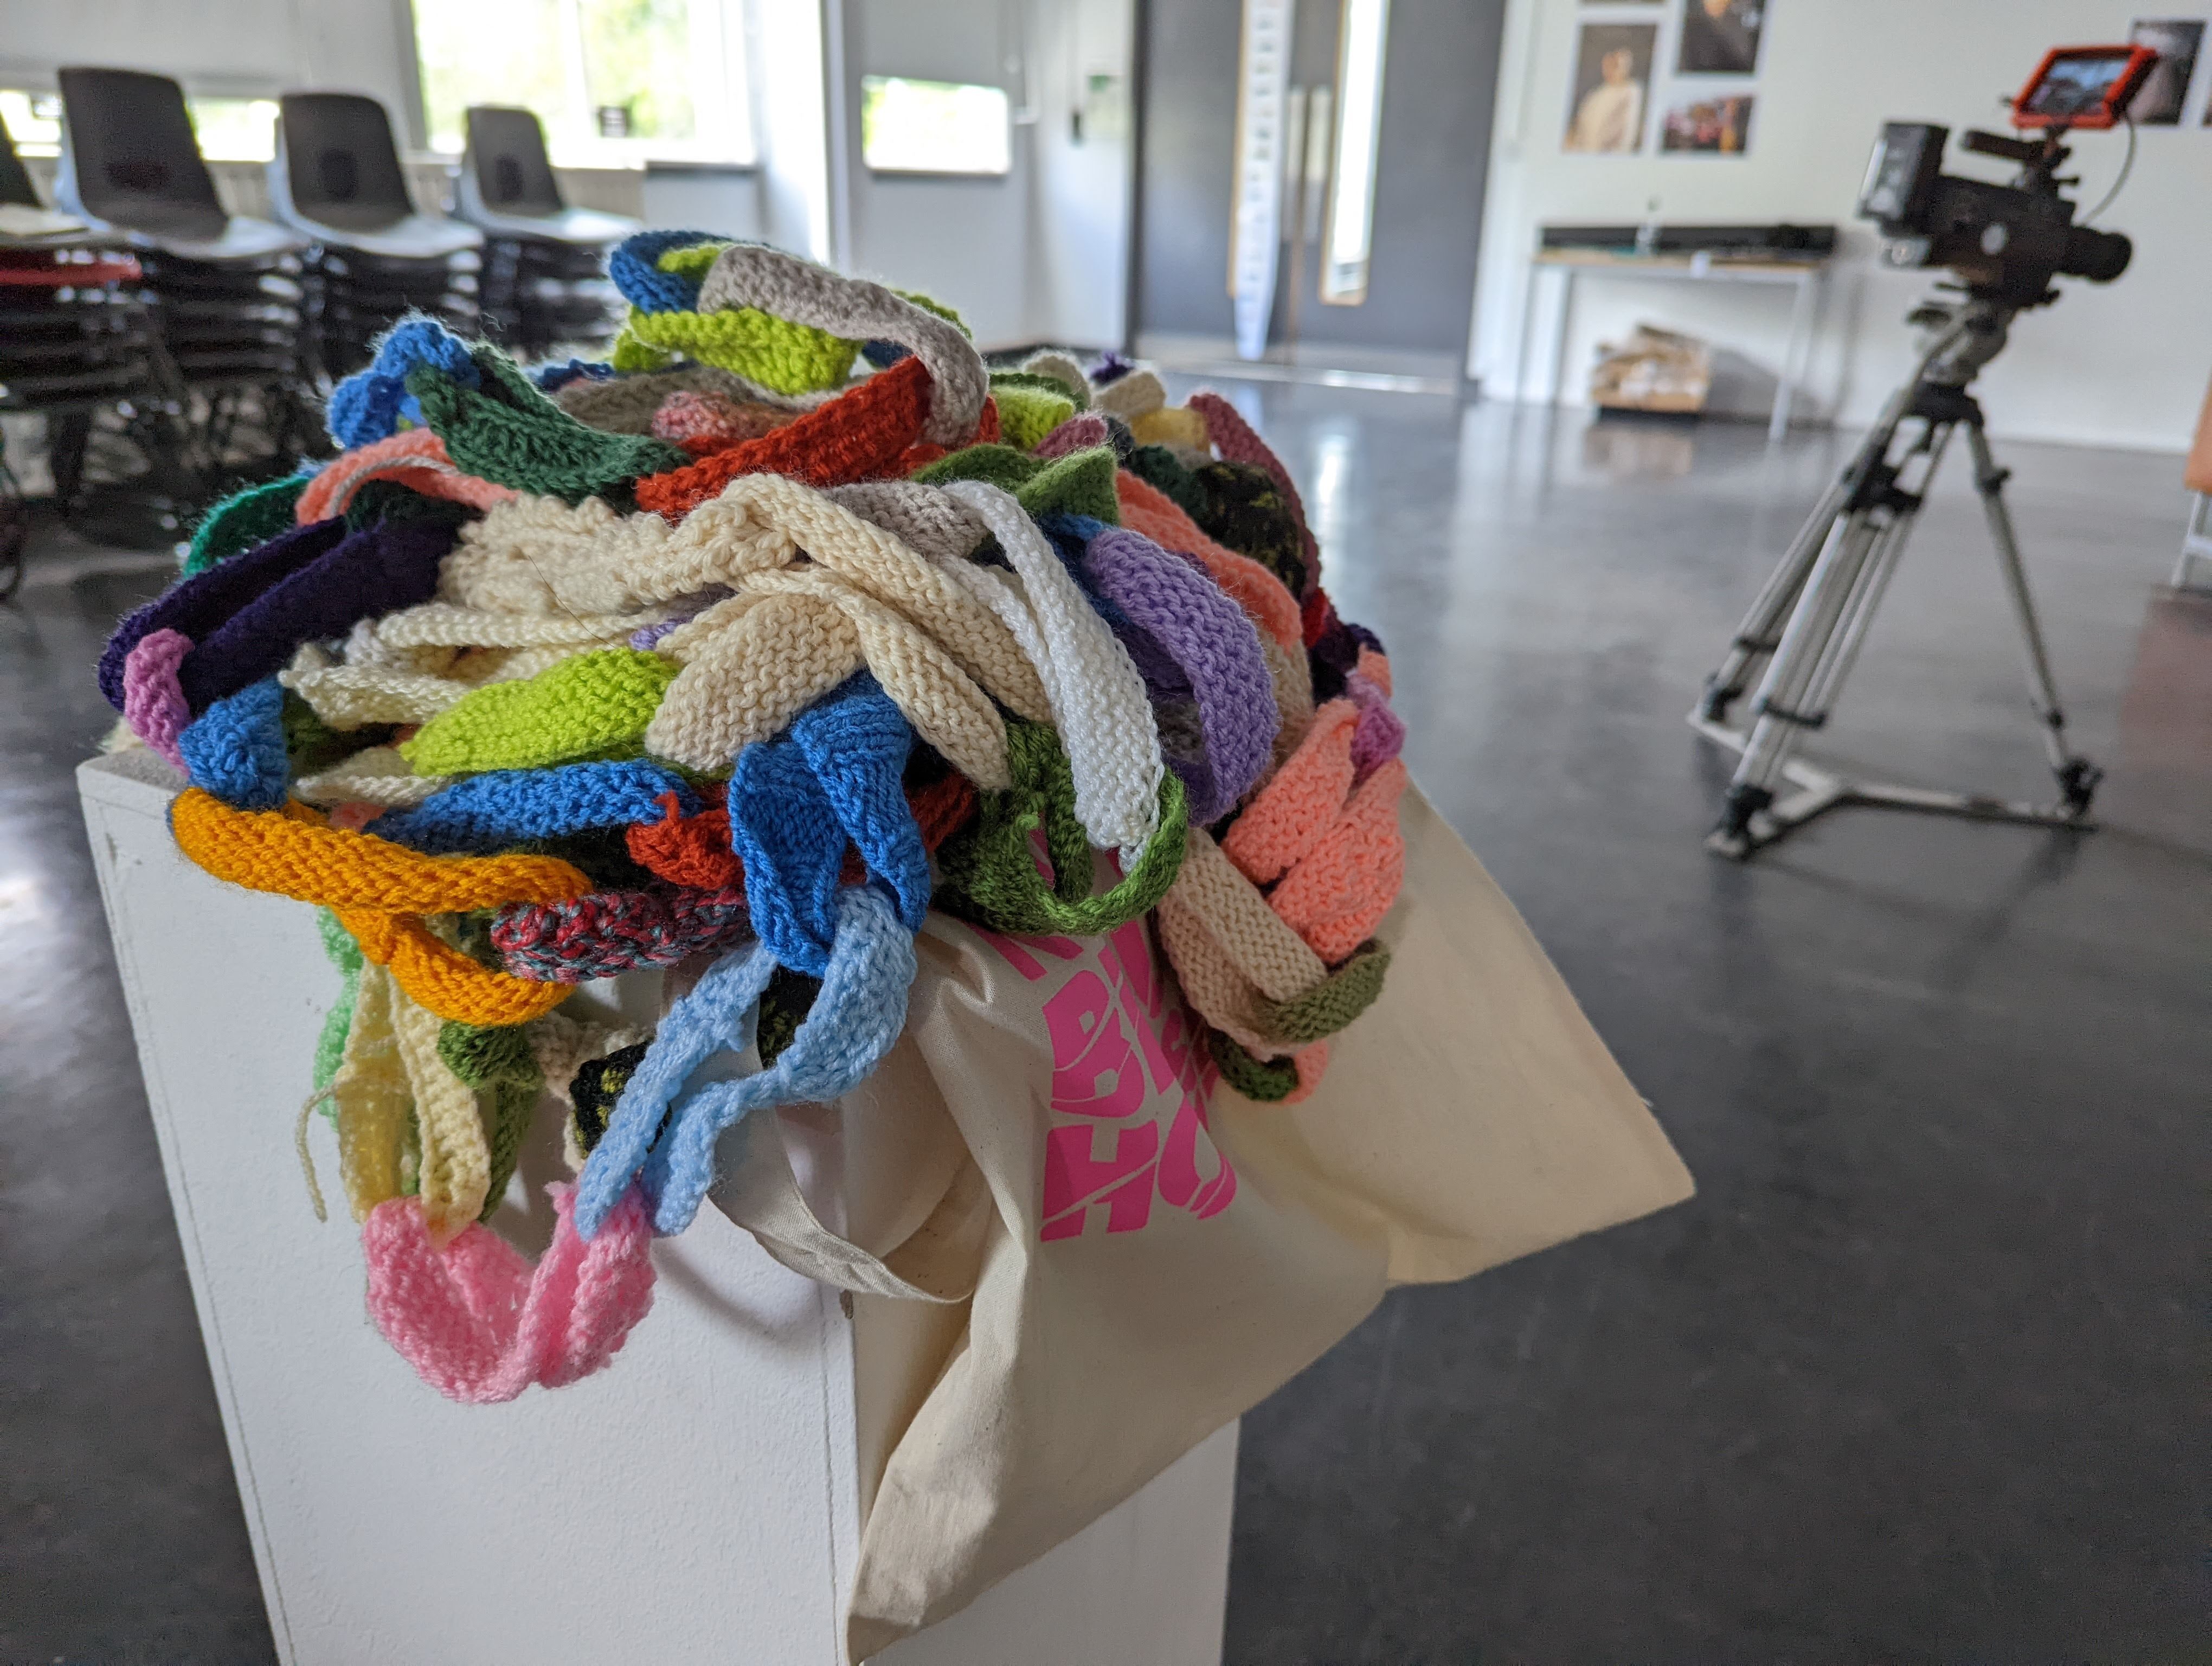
{"type": "Point", "coordinates": [860, 435]}
{"type": "Point", "coordinates": [1145, 508]}
{"type": "Point", "coordinates": [1375, 668]}
{"type": "Point", "coordinates": [378, 889]}
{"type": "Point", "coordinates": [1292, 814]}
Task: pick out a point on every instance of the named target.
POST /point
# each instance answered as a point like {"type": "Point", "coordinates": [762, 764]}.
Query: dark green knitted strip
{"type": "Point", "coordinates": [1157, 466]}
{"type": "Point", "coordinates": [497, 1062]}
{"type": "Point", "coordinates": [513, 436]}
{"type": "Point", "coordinates": [379, 500]}
{"type": "Point", "coordinates": [244, 519]}
{"type": "Point", "coordinates": [1268, 1083]}
{"type": "Point", "coordinates": [337, 1024]}
{"type": "Point", "coordinates": [1246, 510]}
{"type": "Point", "coordinates": [1036, 383]}
{"type": "Point", "coordinates": [1079, 484]}
{"type": "Point", "coordinates": [783, 1007]}
{"type": "Point", "coordinates": [991, 875]}
{"type": "Point", "coordinates": [1333, 1002]}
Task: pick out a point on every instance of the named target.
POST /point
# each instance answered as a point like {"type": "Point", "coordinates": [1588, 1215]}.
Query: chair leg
{"type": "Point", "coordinates": [2193, 570]}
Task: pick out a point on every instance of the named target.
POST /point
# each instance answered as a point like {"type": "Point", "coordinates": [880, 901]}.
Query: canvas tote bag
{"type": "Point", "coordinates": [1075, 1253]}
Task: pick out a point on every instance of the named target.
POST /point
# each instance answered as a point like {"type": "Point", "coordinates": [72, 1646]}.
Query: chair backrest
{"type": "Point", "coordinates": [335, 158]}
{"type": "Point", "coordinates": [15, 182]}
{"type": "Point", "coordinates": [130, 157]}
{"type": "Point", "coordinates": [505, 164]}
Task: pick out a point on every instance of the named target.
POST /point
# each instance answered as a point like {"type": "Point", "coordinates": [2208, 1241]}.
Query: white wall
{"type": "Point", "coordinates": [2119, 365]}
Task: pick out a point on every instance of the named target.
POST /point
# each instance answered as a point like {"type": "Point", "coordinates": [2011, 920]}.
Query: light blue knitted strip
{"type": "Point", "coordinates": [235, 748]}
{"type": "Point", "coordinates": [367, 406]}
{"type": "Point", "coordinates": [855, 1020]}
{"type": "Point", "coordinates": [505, 807]}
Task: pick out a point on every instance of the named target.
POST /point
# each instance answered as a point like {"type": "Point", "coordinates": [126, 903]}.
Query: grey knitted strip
{"type": "Point", "coordinates": [1063, 370]}
{"type": "Point", "coordinates": [786, 286]}
{"type": "Point", "coordinates": [924, 518]}
{"type": "Point", "coordinates": [625, 404]}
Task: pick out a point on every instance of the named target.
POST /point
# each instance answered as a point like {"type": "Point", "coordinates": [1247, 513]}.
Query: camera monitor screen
{"type": "Point", "coordinates": [2082, 86]}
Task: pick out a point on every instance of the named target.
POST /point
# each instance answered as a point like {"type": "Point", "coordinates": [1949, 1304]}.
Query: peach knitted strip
{"type": "Point", "coordinates": [415, 456]}
{"type": "Point", "coordinates": [378, 890]}
{"type": "Point", "coordinates": [1295, 810]}
{"type": "Point", "coordinates": [1342, 887]}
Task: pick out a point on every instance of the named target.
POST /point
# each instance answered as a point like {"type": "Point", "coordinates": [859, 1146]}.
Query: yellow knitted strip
{"type": "Point", "coordinates": [594, 705]}
{"type": "Point", "coordinates": [779, 355]}
{"type": "Point", "coordinates": [1177, 426]}
{"type": "Point", "coordinates": [370, 1096]}
{"type": "Point", "coordinates": [456, 1158]}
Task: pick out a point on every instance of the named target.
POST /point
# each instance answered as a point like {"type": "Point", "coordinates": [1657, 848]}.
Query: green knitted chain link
{"type": "Point", "coordinates": [1332, 1003]}
{"type": "Point", "coordinates": [497, 1062]}
{"type": "Point", "coordinates": [513, 436]}
{"type": "Point", "coordinates": [990, 868]}
{"type": "Point", "coordinates": [1269, 1082]}
{"type": "Point", "coordinates": [244, 519]}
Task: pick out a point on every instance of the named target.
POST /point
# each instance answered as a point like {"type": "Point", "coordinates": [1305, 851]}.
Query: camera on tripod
{"type": "Point", "coordinates": [2007, 242]}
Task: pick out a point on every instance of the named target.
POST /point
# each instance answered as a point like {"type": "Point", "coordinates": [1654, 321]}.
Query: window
{"type": "Point", "coordinates": [230, 129]}
{"type": "Point", "coordinates": [933, 126]}
{"type": "Point", "coordinates": [614, 83]}
{"type": "Point", "coordinates": [1364, 40]}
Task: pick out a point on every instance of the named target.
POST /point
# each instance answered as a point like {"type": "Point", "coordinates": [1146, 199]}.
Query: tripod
{"type": "Point", "coordinates": [1810, 618]}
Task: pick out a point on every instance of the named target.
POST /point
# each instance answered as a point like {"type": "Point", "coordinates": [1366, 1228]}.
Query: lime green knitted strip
{"type": "Point", "coordinates": [244, 519]}
{"type": "Point", "coordinates": [594, 706]}
{"type": "Point", "coordinates": [779, 355]}
{"type": "Point", "coordinates": [989, 872]}
{"type": "Point", "coordinates": [1079, 484]}
{"type": "Point", "coordinates": [1026, 413]}
{"type": "Point", "coordinates": [938, 307]}
{"type": "Point", "coordinates": [514, 435]}
{"type": "Point", "coordinates": [498, 1062]}
{"type": "Point", "coordinates": [330, 1046]}
{"type": "Point", "coordinates": [693, 260]}
{"type": "Point", "coordinates": [1267, 1083]}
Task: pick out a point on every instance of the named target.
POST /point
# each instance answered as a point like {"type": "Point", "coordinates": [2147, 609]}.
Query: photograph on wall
{"type": "Point", "coordinates": [1720, 37]}
{"type": "Point", "coordinates": [1708, 126]}
{"type": "Point", "coordinates": [1612, 79]}
{"type": "Point", "coordinates": [2178, 41]}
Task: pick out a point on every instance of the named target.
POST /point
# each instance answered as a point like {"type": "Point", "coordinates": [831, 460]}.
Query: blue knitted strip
{"type": "Point", "coordinates": [857, 742]}
{"type": "Point", "coordinates": [508, 806]}
{"type": "Point", "coordinates": [786, 833]}
{"type": "Point", "coordinates": [718, 1015]}
{"type": "Point", "coordinates": [235, 749]}
{"type": "Point", "coordinates": [643, 284]}
{"type": "Point", "coordinates": [549, 377]}
{"type": "Point", "coordinates": [367, 406]}
{"type": "Point", "coordinates": [855, 1021]}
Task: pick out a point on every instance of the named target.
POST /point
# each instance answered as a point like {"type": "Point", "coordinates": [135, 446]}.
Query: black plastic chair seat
{"type": "Point", "coordinates": [337, 178]}
{"type": "Point", "coordinates": [508, 187]}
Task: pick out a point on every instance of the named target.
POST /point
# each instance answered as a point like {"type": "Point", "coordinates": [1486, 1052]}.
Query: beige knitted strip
{"type": "Point", "coordinates": [1130, 396]}
{"type": "Point", "coordinates": [456, 1171]}
{"type": "Point", "coordinates": [355, 696]}
{"type": "Point", "coordinates": [626, 405]}
{"type": "Point", "coordinates": [1291, 679]}
{"type": "Point", "coordinates": [1210, 980]}
{"type": "Point", "coordinates": [925, 518]}
{"type": "Point", "coordinates": [377, 775]}
{"type": "Point", "coordinates": [1065, 371]}
{"type": "Point", "coordinates": [442, 624]}
{"type": "Point", "coordinates": [786, 286]}
{"type": "Point", "coordinates": [1265, 950]}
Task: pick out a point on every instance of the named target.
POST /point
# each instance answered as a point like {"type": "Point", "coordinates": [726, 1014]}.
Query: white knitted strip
{"type": "Point", "coordinates": [1136, 394]}
{"type": "Point", "coordinates": [1098, 700]}
{"type": "Point", "coordinates": [539, 555]}
{"type": "Point", "coordinates": [377, 774]}
{"type": "Point", "coordinates": [1065, 371]}
{"type": "Point", "coordinates": [442, 624]}
{"type": "Point", "coordinates": [355, 696]}
{"type": "Point", "coordinates": [786, 286]}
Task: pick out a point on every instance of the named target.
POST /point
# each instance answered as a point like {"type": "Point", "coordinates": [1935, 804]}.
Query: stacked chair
{"type": "Point", "coordinates": [544, 284]}
{"type": "Point", "coordinates": [224, 290]}
{"type": "Point", "coordinates": [337, 180]}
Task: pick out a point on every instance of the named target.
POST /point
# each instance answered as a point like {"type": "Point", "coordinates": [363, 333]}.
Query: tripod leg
{"type": "Point", "coordinates": [2077, 777]}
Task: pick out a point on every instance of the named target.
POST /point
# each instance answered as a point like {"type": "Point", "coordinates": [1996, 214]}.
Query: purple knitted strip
{"type": "Point", "coordinates": [1218, 648]}
{"type": "Point", "coordinates": [390, 565]}
{"type": "Point", "coordinates": [1380, 735]}
{"type": "Point", "coordinates": [604, 933]}
{"type": "Point", "coordinates": [198, 605]}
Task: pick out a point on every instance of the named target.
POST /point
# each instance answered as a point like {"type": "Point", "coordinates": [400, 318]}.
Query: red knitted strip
{"type": "Point", "coordinates": [695, 850]}
{"type": "Point", "coordinates": [606, 933]}
{"type": "Point", "coordinates": [1316, 614]}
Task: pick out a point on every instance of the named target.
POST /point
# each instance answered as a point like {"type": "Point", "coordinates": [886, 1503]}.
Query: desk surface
{"type": "Point", "coordinates": [1717, 264]}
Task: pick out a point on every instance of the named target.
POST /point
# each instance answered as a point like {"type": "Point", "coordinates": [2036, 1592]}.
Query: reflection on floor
{"type": "Point", "coordinates": [1907, 1380]}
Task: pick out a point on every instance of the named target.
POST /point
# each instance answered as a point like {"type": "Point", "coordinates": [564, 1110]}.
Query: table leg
{"type": "Point", "coordinates": [1796, 361]}
{"type": "Point", "coordinates": [1527, 322]}
{"type": "Point", "coordinates": [1559, 333]}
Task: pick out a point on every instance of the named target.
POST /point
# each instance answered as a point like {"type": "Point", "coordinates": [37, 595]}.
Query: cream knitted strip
{"type": "Point", "coordinates": [377, 775]}
{"type": "Point", "coordinates": [1065, 371]}
{"type": "Point", "coordinates": [369, 1095]}
{"type": "Point", "coordinates": [1098, 699]}
{"type": "Point", "coordinates": [355, 696]}
{"type": "Point", "coordinates": [1230, 950]}
{"type": "Point", "coordinates": [456, 1171]}
{"type": "Point", "coordinates": [787, 287]}
{"type": "Point", "coordinates": [560, 1046]}
{"type": "Point", "coordinates": [442, 624]}
{"type": "Point", "coordinates": [1136, 394]}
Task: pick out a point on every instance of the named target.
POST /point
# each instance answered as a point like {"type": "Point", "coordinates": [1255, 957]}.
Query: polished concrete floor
{"type": "Point", "coordinates": [1916, 1376]}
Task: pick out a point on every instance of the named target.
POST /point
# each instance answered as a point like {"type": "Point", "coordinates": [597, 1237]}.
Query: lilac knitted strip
{"type": "Point", "coordinates": [390, 565]}
{"type": "Point", "coordinates": [1216, 645]}
{"type": "Point", "coordinates": [203, 602]}
{"type": "Point", "coordinates": [606, 933]}
{"type": "Point", "coordinates": [1380, 735]}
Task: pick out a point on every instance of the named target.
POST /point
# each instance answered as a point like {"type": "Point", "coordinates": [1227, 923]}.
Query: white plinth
{"type": "Point", "coordinates": [698, 1501]}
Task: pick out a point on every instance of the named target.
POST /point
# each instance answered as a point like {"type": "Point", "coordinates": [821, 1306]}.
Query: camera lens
{"type": "Point", "coordinates": [2099, 256]}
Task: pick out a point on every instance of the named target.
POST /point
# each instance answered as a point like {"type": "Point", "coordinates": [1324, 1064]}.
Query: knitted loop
{"type": "Point", "coordinates": [377, 890]}
{"type": "Point", "coordinates": [991, 871]}
{"type": "Point", "coordinates": [506, 807]}
{"type": "Point", "coordinates": [367, 406]}
{"type": "Point", "coordinates": [607, 933]}
{"type": "Point", "coordinates": [1081, 484]}
{"type": "Point", "coordinates": [1233, 438]}
{"type": "Point", "coordinates": [500, 1066]}
{"type": "Point", "coordinates": [592, 705]}
{"type": "Point", "coordinates": [634, 266]}
{"type": "Point", "coordinates": [415, 459]}
{"type": "Point", "coordinates": [751, 275]}
{"type": "Point", "coordinates": [855, 1021]}
{"type": "Point", "coordinates": [779, 355]}
{"type": "Point", "coordinates": [236, 749]}
{"type": "Point", "coordinates": [153, 705]}
{"type": "Point", "coordinates": [480, 1324]}
{"type": "Point", "coordinates": [242, 521]}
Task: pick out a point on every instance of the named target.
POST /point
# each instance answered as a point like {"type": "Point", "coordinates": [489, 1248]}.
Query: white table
{"type": "Point", "coordinates": [1806, 279]}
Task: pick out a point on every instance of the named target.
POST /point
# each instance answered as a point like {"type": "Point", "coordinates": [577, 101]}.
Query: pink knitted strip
{"type": "Point", "coordinates": [480, 1324]}
{"type": "Point", "coordinates": [415, 456]}
{"type": "Point", "coordinates": [1233, 438]}
{"type": "Point", "coordinates": [1080, 432]}
{"type": "Point", "coordinates": [153, 703]}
